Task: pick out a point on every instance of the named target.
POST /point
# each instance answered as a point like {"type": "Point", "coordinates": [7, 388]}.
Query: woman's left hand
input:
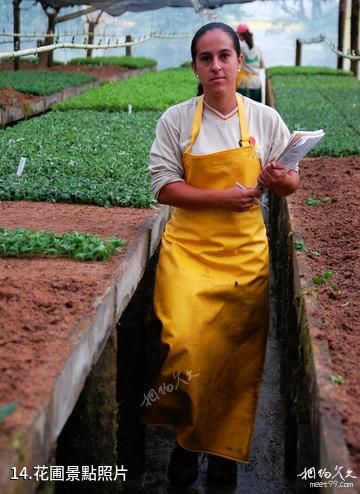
{"type": "Point", "coordinates": [283, 182]}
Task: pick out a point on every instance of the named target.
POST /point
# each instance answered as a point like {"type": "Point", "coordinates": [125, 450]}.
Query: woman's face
{"type": "Point", "coordinates": [216, 62]}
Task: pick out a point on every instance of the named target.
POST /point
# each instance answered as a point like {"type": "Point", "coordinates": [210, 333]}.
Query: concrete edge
{"type": "Point", "coordinates": [324, 414]}
{"type": "Point", "coordinates": [42, 104]}
{"type": "Point", "coordinates": [138, 257]}
{"type": "Point", "coordinates": [32, 446]}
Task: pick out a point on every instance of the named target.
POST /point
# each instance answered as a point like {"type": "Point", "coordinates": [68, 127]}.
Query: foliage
{"type": "Point", "coordinates": [305, 70]}
{"type": "Point", "coordinates": [314, 101]}
{"type": "Point", "coordinates": [6, 410]}
{"type": "Point", "coordinates": [322, 278]}
{"type": "Point", "coordinates": [41, 82]}
{"type": "Point", "coordinates": [29, 59]}
{"type": "Point", "coordinates": [300, 245]}
{"type": "Point", "coordinates": [79, 246]}
{"type": "Point", "coordinates": [125, 61]}
{"type": "Point", "coordinates": [314, 201]}
{"type": "Point", "coordinates": [337, 379]}
{"type": "Point", "coordinates": [91, 157]}
{"type": "Point", "coordinates": [152, 91]}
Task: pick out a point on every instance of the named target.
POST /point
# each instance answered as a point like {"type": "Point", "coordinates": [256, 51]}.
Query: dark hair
{"type": "Point", "coordinates": [209, 27]}
{"type": "Point", "coordinates": [248, 37]}
{"type": "Point", "coordinates": [200, 89]}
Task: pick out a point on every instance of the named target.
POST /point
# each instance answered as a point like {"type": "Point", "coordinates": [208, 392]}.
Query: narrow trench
{"type": "Point", "coordinates": [145, 451]}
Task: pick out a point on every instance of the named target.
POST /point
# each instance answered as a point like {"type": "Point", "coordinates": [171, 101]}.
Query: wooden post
{"type": "Point", "coordinates": [128, 39]}
{"type": "Point", "coordinates": [354, 37]}
{"type": "Point", "coordinates": [46, 58]}
{"type": "Point", "coordinates": [341, 29]}
{"type": "Point", "coordinates": [346, 34]}
{"type": "Point", "coordinates": [16, 13]}
{"type": "Point", "coordinates": [50, 40]}
{"type": "Point", "coordinates": [298, 52]}
{"type": "Point", "coordinates": [91, 31]}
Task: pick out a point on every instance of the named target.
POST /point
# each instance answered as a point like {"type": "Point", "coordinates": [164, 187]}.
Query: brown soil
{"type": "Point", "coordinates": [41, 300]}
{"type": "Point", "coordinates": [332, 229]}
{"type": "Point", "coordinates": [11, 97]}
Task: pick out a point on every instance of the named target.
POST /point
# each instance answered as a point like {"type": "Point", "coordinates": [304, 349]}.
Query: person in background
{"type": "Point", "coordinates": [211, 287]}
{"type": "Point", "coordinates": [248, 81]}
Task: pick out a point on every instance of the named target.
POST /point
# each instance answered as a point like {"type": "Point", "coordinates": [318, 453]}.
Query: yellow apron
{"type": "Point", "coordinates": [211, 296]}
{"type": "Point", "coordinates": [243, 78]}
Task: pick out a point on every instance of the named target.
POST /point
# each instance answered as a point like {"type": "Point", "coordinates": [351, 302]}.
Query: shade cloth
{"type": "Point", "coordinates": [119, 7]}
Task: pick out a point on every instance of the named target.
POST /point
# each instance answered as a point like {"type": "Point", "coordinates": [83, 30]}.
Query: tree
{"type": "Point", "coordinates": [16, 15]}
{"type": "Point", "coordinates": [46, 58]}
{"type": "Point", "coordinates": [92, 23]}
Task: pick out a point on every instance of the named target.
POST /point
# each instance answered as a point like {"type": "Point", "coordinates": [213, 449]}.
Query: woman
{"type": "Point", "coordinates": [211, 286]}
{"type": "Point", "coordinates": [248, 82]}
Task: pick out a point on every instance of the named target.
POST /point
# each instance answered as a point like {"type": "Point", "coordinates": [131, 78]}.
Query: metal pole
{"type": "Point", "coordinates": [16, 14]}
{"type": "Point", "coordinates": [91, 30]}
{"type": "Point", "coordinates": [354, 36]}
{"type": "Point", "coordinates": [128, 39]}
{"type": "Point", "coordinates": [346, 34]}
{"type": "Point", "coordinates": [341, 29]}
{"type": "Point", "coordinates": [298, 52]}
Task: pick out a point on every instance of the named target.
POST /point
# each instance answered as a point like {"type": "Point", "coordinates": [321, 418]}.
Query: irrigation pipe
{"type": "Point", "coordinates": [352, 56]}
{"type": "Point", "coordinates": [32, 51]}
{"type": "Point", "coordinates": [55, 46]}
{"type": "Point", "coordinates": [322, 38]}
{"type": "Point", "coordinates": [51, 35]}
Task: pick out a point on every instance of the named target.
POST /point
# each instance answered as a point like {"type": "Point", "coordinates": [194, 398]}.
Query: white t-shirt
{"type": "Point", "coordinates": [217, 133]}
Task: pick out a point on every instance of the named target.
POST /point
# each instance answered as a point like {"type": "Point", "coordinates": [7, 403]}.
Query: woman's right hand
{"type": "Point", "coordinates": [240, 199]}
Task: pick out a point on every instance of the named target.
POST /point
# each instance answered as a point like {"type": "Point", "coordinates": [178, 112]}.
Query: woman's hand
{"type": "Point", "coordinates": [182, 195]}
{"type": "Point", "coordinates": [239, 198]}
{"type": "Point", "coordinates": [283, 182]}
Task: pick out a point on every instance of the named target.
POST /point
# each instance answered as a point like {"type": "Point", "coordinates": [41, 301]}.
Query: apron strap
{"type": "Point", "coordinates": [196, 123]}
{"type": "Point", "coordinates": [244, 131]}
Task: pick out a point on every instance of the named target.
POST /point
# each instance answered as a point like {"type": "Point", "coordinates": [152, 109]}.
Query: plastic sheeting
{"type": "Point", "coordinates": [118, 7]}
